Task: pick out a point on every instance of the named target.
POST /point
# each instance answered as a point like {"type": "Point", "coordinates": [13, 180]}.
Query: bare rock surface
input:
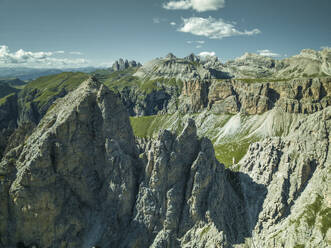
{"type": "Point", "coordinates": [295, 170]}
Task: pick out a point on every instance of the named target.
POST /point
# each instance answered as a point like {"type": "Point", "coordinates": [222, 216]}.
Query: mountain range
{"type": "Point", "coordinates": [177, 152]}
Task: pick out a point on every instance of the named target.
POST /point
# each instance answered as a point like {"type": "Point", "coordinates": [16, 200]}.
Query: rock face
{"type": "Point", "coordinates": [295, 96]}
{"type": "Point", "coordinates": [57, 186]}
{"type": "Point", "coordinates": [295, 170]}
{"type": "Point", "coordinates": [181, 197]}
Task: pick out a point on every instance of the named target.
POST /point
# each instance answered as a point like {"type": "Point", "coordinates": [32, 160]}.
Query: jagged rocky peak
{"type": "Point", "coordinates": [193, 58]}
{"type": "Point", "coordinates": [187, 68]}
{"type": "Point", "coordinates": [74, 173]}
{"type": "Point", "coordinates": [170, 56]}
{"type": "Point", "coordinates": [121, 64]}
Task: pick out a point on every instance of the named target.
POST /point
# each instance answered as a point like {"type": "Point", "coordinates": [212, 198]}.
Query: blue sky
{"type": "Point", "coordinates": [67, 33]}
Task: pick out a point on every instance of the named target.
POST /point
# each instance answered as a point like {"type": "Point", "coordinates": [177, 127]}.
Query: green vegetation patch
{"type": "Point", "coordinates": [4, 99]}
{"type": "Point", "coordinates": [156, 84]}
{"type": "Point", "coordinates": [147, 126]}
{"type": "Point", "coordinates": [235, 148]}
{"type": "Point", "coordinates": [314, 214]}
{"type": "Point", "coordinates": [119, 79]}
{"type": "Point", "coordinates": [204, 231]}
{"type": "Point", "coordinates": [312, 211]}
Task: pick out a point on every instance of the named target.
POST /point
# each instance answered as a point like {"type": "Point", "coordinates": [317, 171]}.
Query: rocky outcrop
{"type": "Point", "coordinates": [184, 199]}
{"type": "Point", "coordinates": [295, 170]}
{"type": "Point", "coordinates": [194, 96]}
{"type": "Point", "coordinates": [74, 173]}
{"type": "Point", "coordinates": [121, 65]}
{"type": "Point", "coordinates": [233, 96]}
{"type": "Point", "coordinates": [236, 96]}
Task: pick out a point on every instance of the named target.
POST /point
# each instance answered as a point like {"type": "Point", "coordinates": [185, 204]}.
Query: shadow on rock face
{"type": "Point", "coordinates": [251, 196]}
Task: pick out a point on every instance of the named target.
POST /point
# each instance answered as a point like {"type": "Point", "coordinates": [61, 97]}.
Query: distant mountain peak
{"type": "Point", "coordinates": [122, 64]}
{"type": "Point", "coordinates": [170, 56]}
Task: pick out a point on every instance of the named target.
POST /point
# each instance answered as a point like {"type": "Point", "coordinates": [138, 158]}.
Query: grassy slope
{"type": "Point", "coordinates": [49, 86]}
{"type": "Point", "coordinates": [5, 91]}
{"type": "Point", "coordinates": [4, 99]}
{"type": "Point", "coordinates": [235, 146]}
{"type": "Point", "coordinates": [12, 82]}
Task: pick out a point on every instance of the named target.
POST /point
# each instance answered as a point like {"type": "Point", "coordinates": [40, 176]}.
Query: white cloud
{"type": "Point", "coordinates": [36, 59]}
{"type": "Point", "coordinates": [59, 52]}
{"type": "Point", "coordinates": [178, 5]}
{"type": "Point", "coordinates": [268, 53]}
{"type": "Point", "coordinates": [195, 41]}
{"type": "Point", "coordinates": [205, 54]}
{"type": "Point", "coordinates": [212, 28]}
{"type": "Point", "coordinates": [198, 46]}
{"type": "Point", "coordinates": [156, 20]}
{"type": "Point", "coordinates": [173, 23]}
{"type": "Point", "coordinates": [198, 5]}
{"type": "Point", "coordinates": [75, 53]}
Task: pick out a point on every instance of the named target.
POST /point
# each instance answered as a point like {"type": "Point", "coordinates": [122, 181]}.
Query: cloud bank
{"type": "Point", "coordinates": [205, 54]}
{"type": "Point", "coordinates": [37, 59]}
{"type": "Point", "coordinates": [198, 5]}
{"type": "Point", "coordinates": [268, 53]}
{"type": "Point", "coordinates": [212, 28]}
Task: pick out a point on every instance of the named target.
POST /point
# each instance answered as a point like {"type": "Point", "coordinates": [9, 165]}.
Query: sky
{"type": "Point", "coordinates": [78, 33]}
